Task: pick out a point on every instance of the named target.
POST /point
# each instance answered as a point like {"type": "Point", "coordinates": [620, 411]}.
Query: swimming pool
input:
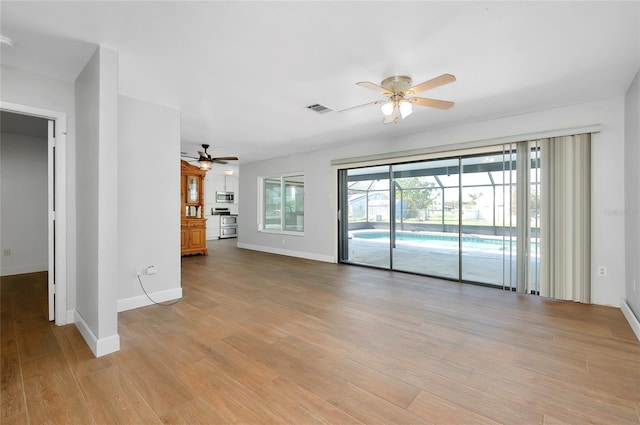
{"type": "Point", "coordinates": [444, 241]}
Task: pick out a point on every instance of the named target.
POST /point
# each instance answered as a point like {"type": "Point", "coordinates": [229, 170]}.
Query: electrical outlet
{"type": "Point", "coordinates": [602, 271]}
{"type": "Point", "coordinates": [6, 252]}
{"type": "Point", "coordinates": [147, 270]}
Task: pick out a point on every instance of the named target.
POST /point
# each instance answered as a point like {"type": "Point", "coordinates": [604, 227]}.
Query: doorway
{"type": "Point", "coordinates": [50, 126]}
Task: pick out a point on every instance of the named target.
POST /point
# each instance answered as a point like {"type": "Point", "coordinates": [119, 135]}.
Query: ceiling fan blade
{"type": "Point", "coordinates": [433, 83]}
{"type": "Point", "coordinates": [224, 159]}
{"type": "Point", "coordinates": [434, 103]}
{"type": "Point", "coordinates": [374, 87]}
{"type": "Point", "coordinates": [187, 156]}
{"type": "Point", "coordinates": [377, 102]}
{"type": "Point", "coordinates": [204, 155]}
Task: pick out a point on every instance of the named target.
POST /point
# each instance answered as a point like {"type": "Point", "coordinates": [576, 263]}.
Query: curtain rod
{"type": "Point", "coordinates": [469, 147]}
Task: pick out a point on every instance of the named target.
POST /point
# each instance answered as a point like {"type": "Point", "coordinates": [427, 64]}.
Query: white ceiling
{"type": "Point", "coordinates": [242, 73]}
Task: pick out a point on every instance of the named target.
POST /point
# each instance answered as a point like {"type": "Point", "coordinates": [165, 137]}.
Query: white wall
{"type": "Point", "coordinates": [33, 90]}
{"type": "Point", "coordinates": [319, 206]}
{"type": "Point", "coordinates": [631, 212]}
{"type": "Point", "coordinates": [320, 242]}
{"type": "Point", "coordinates": [96, 96]}
{"type": "Point", "coordinates": [96, 209]}
{"type": "Point", "coordinates": [87, 128]}
{"type": "Point", "coordinates": [23, 203]}
{"type": "Point", "coordinates": [148, 202]}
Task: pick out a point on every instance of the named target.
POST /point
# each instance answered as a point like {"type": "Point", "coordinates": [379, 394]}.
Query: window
{"type": "Point", "coordinates": [282, 205]}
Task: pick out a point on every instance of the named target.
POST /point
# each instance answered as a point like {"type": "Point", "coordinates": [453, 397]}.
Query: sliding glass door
{"type": "Point", "coordinates": [489, 218]}
{"type": "Point", "coordinates": [365, 235]}
{"type": "Point", "coordinates": [427, 218]}
{"type": "Point", "coordinates": [458, 218]}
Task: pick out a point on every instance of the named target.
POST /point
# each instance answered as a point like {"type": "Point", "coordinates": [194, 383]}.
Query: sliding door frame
{"type": "Point", "coordinates": [505, 151]}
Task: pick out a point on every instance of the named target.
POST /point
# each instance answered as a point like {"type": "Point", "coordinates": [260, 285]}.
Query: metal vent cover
{"type": "Point", "coordinates": [321, 109]}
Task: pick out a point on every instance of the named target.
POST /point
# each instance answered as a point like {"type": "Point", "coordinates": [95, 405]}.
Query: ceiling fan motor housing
{"type": "Point", "coordinates": [398, 84]}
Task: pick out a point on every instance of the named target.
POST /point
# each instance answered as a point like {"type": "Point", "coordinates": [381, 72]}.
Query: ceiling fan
{"type": "Point", "coordinates": [205, 159]}
{"type": "Point", "coordinates": [396, 88]}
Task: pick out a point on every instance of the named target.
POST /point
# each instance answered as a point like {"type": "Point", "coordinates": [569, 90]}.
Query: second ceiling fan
{"type": "Point", "coordinates": [397, 88]}
{"type": "Point", "coordinates": [205, 160]}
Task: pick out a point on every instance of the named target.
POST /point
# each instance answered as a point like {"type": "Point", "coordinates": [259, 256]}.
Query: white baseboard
{"type": "Point", "coordinates": [99, 347]}
{"type": "Point", "coordinates": [142, 300]}
{"type": "Point", "coordinates": [108, 345]}
{"type": "Point", "coordinates": [631, 317]}
{"type": "Point", "coordinates": [34, 268]}
{"type": "Point", "coordinates": [71, 317]}
{"type": "Point", "coordinates": [288, 253]}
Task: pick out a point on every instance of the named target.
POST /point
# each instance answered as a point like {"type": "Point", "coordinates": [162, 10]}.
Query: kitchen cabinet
{"type": "Point", "coordinates": [232, 186]}
{"type": "Point", "coordinates": [193, 225]}
{"type": "Point", "coordinates": [213, 227]}
{"type": "Point", "coordinates": [220, 183]}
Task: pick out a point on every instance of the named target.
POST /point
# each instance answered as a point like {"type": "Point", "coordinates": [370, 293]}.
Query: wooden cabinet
{"type": "Point", "coordinates": [193, 224]}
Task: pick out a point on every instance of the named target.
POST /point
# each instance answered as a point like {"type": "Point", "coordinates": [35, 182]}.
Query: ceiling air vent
{"type": "Point", "coordinates": [321, 109]}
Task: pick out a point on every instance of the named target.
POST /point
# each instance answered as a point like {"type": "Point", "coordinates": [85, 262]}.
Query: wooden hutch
{"type": "Point", "coordinates": [193, 224]}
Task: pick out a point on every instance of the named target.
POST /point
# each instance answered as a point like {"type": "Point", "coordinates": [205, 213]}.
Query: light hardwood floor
{"type": "Point", "coordinates": [260, 338]}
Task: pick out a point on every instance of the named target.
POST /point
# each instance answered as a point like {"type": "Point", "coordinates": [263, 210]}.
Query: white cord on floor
{"type": "Point", "coordinates": [152, 300]}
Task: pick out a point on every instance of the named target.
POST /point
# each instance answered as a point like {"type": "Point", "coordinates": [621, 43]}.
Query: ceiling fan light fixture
{"type": "Point", "coordinates": [394, 117]}
{"type": "Point", "coordinates": [405, 108]}
{"type": "Point", "coordinates": [387, 108]}
{"type": "Point", "coordinates": [205, 159]}
{"type": "Point", "coordinates": [205, 164]}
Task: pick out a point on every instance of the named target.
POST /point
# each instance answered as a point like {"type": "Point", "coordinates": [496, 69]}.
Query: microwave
{"type": "Point", "coordinates": [224, 197]}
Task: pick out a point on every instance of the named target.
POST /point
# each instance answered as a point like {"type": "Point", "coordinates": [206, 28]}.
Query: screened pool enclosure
{"type": "Point", "coordinates": [466, 218]}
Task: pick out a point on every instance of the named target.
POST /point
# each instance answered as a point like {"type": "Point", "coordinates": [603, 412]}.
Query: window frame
{"type": "Point", "coordinates": [262, 180]}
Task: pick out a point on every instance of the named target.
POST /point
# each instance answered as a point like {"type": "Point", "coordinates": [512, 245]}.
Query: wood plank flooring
{"type": "Point", "coordinates": [264, 339]}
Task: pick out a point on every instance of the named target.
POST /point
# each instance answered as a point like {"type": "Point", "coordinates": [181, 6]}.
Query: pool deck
{"type": "Point", "coordinates": [482, 266]}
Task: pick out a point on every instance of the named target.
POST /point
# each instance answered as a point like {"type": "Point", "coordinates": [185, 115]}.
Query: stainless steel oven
{"type": "Point", "coordinates": [228, 226]}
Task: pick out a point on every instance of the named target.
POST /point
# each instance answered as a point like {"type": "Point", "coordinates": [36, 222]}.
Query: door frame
{"type": "Point", "coordinates": [59, 245]}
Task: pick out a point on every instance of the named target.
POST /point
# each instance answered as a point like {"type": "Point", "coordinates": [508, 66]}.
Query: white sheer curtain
{"type": "Point", "coordinates": [565, 227]}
